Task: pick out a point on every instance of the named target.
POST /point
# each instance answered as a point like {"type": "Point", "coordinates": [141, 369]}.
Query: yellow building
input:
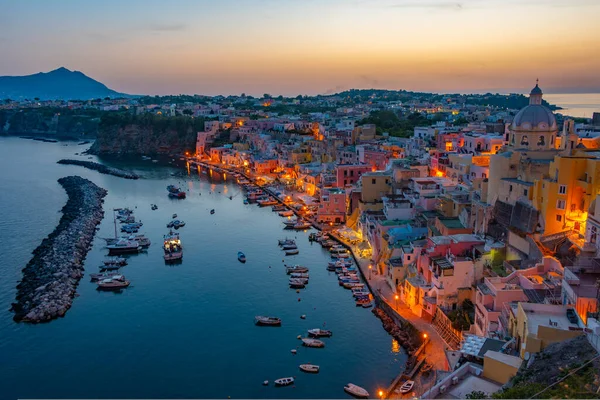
{"type": "Point", "coordinates": [500, 367]}
{"type": "Point", "coordinates": [538, 325]}
{"type": "Point", "coordinates": [300, 155]}
{"type": "Point", "coordinates": [565, 195]}
{"type": "Point", "coordinates": [375, 185]}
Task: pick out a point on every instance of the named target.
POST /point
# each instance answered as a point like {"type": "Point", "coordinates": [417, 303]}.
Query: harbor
{"type": "Point", "coordinates": [186, 303]}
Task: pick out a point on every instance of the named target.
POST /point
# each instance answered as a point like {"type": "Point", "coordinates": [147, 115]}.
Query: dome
{"type": "Point", "coordinates": [534, 117]}
{"type": "Point", "coordinates": [536, 90]}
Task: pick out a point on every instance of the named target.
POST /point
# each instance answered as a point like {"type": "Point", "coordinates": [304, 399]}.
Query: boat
{"type": "Point", "coordinates": [287, 213]}
{"type": "Point", "coordinates": [289, 246]}
{"type": "Point", "coordinates": [295, 268]}
{"type": "Point", "coordinates": [115, 261]}
{"type": "Point", "coordinates": [175, 192]}
{"type": "Point", "coordinates": [117, 282]}
{"type": "Point", "coordinates": [290, 223]}
{"type": "Point", "coordinates": [102, 275]}
{"type": "Point", "coordinates": [363, 301]}
{"type": "Point", "coordinates": [267, 202]}
{"type": "Point", "coordinates": [292, 252]}
{"type": "Point", "coordinates": [212, 211]}
{"type": "Point", "coordinates": [313, 343]}
{"type": "Point", "coordinates": [407, 386]}
{"type": "Point", "coordinates": [299, 275]}
{"type": "Point", "coordinates": [241, 257]}
{"type": "Point", "coordinates": [123, 246]}
{"type": "Point", "coordinates": [356, 391]}
{"type": "Point", "coordinates": [178, 224]}
{"type": "Point", "coordinates": [310, 368]}
{"type": "Point", "coordinates": [284, 381]}
{"type": "Point", "coordinates": [173, 251]}
{"type": "Point", "coordinates": [267, 321]}
{"type": "Point", "coordinates": [298, 283]}
{"type": "Point", "coordinates": [353, 284]}
{"type": "Point", "coordinates": [104, 268]}
{"type": "Point", "coordinates": [170, 224]}
{"type": "Point", "coordinates": [154, 207]}
{"type": "Point", "coordinates": [174, 216]}
{"type": "Point", "coordinates": [319, 333]}
{"type": "Point", "coordinates": [302, 225]}
{"type": "Point", "coordinates": [286, 241]}
{"type": "Point", "coordinates": [278, 208]}
{"type": "Point", "coordinates": [246, 201]}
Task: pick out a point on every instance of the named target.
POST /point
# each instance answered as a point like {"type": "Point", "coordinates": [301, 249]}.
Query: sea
{"type": "Point", "coordinates": [575, 104]}
{"type": "Point", "coordinates": [184, 330]}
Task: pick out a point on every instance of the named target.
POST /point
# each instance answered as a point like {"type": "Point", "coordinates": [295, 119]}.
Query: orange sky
{"type": "Point", "coordinates": [309, 46]}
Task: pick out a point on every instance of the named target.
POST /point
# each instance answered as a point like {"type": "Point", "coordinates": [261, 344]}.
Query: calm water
{"type": "Point", "coordinates": [180, 331]}
{"type": "Point", "coordinates": [576, 104]}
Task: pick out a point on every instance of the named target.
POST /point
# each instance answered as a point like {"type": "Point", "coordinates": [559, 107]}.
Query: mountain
{"type": "Point", "coordinates": [58, 84]}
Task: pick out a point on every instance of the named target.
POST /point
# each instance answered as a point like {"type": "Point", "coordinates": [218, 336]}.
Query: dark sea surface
{"type": "Point", "coordinates": [180, 331]}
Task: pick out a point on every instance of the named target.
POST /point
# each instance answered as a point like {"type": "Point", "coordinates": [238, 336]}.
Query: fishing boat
{"type": "Point", "coordinates": [175, 192]}
{"type": "Point", "coordinates": [102, 275]}
{"type": "Point", "coordinates": [292, 252]}
{"type": "Point", "coordinates": [313, 343]}
{"type": "Point", "coordinates": [115, 261]}
{"type": "Point", "coordinates": [117, 282]}
{"type": "Point", "coordinates": [299, 275]}
{"type": "Point", "coordinates": [356, 391]}
{"type": "Point", "coordinates": [287, 213]}
{"type": "Point", "coordinates": [310, 368]}
{"type": "Point", "coordinates": [289, 246]}
{"type": "Point", "coordinates": [297, 283]}
{"type": "Point", "coordinates": [267, 321]}
{"type": "Point", "coordinates": [173, 251]}
{"type": "Point", "coordinates": [286, 241]}
{"type": "Point", "coordinates": [123, 246]}
{"type": "Point", "coordinates": [319, 333]}
{"type": "Point", "coordinates": [295, 268]}
{"type": "Point", "coordinates": [301, 225]}
{"type": "Point", "coordinates": [241, 257]}
{"type": "Point", "coordinates": [284, 381]}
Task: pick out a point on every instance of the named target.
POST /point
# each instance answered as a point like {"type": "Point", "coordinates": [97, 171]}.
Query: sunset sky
{"type": "Point", "coordinates": [294, 47]}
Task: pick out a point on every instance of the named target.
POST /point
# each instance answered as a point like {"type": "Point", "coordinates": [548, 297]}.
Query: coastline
{"type": "Point", "coordinates": [103, 169]}
{"type": "Point", "coordinates": [47, 288]}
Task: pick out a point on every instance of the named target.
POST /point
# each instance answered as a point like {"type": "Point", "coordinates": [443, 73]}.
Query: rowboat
{"type": "Point", "coordinates": [356, 391]}
{"type": "Point", "coordinates": [319, 333]}
{"type": "Point", "coordinates": [284, 381]}
{"type": "Point", "coordinates": [311, 368]}
{"type": "Point", "coordinates": [267, 321]}
{"type": "Point", "coordinates": [241, 257]}
{"type": "Point", "coordinates": [313, 343]}
{"type": "Point", "coordinates": [292, 252]}
{"type": "Point", "coordinates": [296, 269]}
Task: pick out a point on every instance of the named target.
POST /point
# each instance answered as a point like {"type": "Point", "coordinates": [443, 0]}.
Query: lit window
{"type": "Point", "coordinates": [558, 217]}
{"type": "Point", "coordinates": [562, 189]}
{"type": "Point", "coordinates": [560, 204]}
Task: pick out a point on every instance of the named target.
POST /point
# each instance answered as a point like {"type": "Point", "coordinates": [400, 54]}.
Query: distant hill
{"type": "Point", "coordinates": [58, 84]}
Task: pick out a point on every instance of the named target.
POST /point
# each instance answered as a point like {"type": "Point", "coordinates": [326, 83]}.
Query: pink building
{"type": "Point", "coordinates": [332, 207]}
{"type": "Point", "coordinates": [349, 174]}
{"type": "Point", "coordinates": [376, 159]}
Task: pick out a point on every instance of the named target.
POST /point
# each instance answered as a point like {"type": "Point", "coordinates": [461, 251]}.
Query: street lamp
{"type": "Point", "coordinates": [396, 297]}
{"type": "Point", "coordinates": [380, 394]}
{"type": "Point", "coordinates": [370, 267]}
{"type": "Point", "coordinates": [425, 346]}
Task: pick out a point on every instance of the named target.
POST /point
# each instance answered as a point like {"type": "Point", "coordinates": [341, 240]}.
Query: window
{"type": "Point", "coordinates": [558, 217]}
{"type": "Point", "coordinates": [560, 204]}
{"type": "Point", "coordinates": [335, 200]}
{"type": "Point", "coordinates": [352, 173]}
{"type": "Point", "coordinates": [524, 192]}
{"type": "Point", "coordinates": [345, 172]}
{"type": "Point", "coordinates": [373, 181]}
{"type": "Point", "coordinates": [510, 188]}
{"type": "Point", "coordinates": [562, 189]}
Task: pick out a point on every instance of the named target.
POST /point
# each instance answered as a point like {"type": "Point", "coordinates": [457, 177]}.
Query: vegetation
{"type": "Point", "coordinates": [59, 122]}
{"type": "Point", "coordinates": [463, 317]}
{"type": "Point", "coordinates": [389, 121]}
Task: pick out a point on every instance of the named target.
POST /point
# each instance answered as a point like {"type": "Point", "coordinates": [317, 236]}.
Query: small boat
{"type": "Point", "coordinates": [284, 381]}
{"type": "Point", "coordinates": [267, 202]}
{"type": "Point", "coordinates": [356, 391]}
{"type": "Point", "coordinates": [104, 268]}
{"type": "Point", "coordinates": [319, 333]}
{"type": "Point", "coordinates": [292, 252]}
{"type": "Point", "coordinates": [246, 201]}
{"type": "Point", "coordinates": [102, 275]}
{"type": "Point", "coordinates": [154, 207]}
{"type": "Point", "coordinates": [267, 321]}
{"type": "Point", "coordinates": [407, 386]}
{"type": "Point", "coordinates": [290, 223]}
{"type": "Point", "coordinates": [296, 268]}
{"type": "Point", "coordinates": [289, 246]}
{"type": "Point", "coordinates": [178, 224]}
{"type": "Point", "coordinates": [300, 275]}
{"type": "Point", "coordinates": [241, 257]}
{"type": "Point", "coordinates": [115, 283]}
{"type": "Point", "coordinates": [115, 261]}
{"type": "Point", "coordinates": [302, 225]}
{"type": "Point", "coordinates": [286, 241]}
{"type": "Point", "coordinates": [212, 211]}
{"type": "Point", "coordinates": [353, 284]}
{"type": "Point", "coordinates": [298, 283]}
{"type": "Point", "coordinates": [124, 246]}
{"type": "Point", "coordinates": [265, 383]}
{"type": "Point", "coordinates": [313, 343]}
{"type": "Point", "coordinates": [174, 216]}
{"type": "Point", "coordinates": [287, 213]}
{"type": "Point", "coordinates": [310, 368]}
{"type": "Point", "coordinates": [278, 208]}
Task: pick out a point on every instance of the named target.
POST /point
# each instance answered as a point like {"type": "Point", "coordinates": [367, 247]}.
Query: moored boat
{"type": "Point", "coordinates": [284, 381]}
{"type": "Point", "coordinates": [313, 343]}
{"type": "Point", "coordinates": [319, 333]}
{"type": "Point", "coordinates": [296, 268]}
{"type": "Point", "coordinates": [115, 261]}
{"type": "Point", "coordinates": [124, 246]}
{"type": "Point", "coordinates": [117, 282]}
{"type": "Point", "coordinates": [292, 252]}
{"type": "Point", "coordinates": [302, 225]}
{"type": "Point", "coordinates": [298, 283]}
{"type": "Point", "coordinates": [356, 391]}
{"type": "Point", "coordinates": [287, 213]}
{"type": "Point", "coordinates": [173, 251]}
{"type": "Point", "coordinates": [241, 257]}
{"type": "Point", "coordinates": [289, 246]}
{"type": "Point", "coordinates": [310, 368]}
{"type": "Point", "coordinates": [301, 275]}
{"type": "Point", "coordinates": [267, 321]}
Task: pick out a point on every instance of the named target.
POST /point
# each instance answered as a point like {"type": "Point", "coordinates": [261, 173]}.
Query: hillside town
{"type": "Point", "coordinates": [483, 233]}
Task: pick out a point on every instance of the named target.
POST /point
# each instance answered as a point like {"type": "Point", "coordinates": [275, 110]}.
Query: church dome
{"type": "Point", "coordinates": [535, 116]}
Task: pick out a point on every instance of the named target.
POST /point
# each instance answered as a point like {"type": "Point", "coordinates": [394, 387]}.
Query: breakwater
{"type": "Point", "coordinates": [51, 276]}
{"type": "Point", "coordinates": [103, 169]}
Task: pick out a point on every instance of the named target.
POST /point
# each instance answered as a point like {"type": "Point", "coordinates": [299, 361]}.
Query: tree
{"type": "Point", "coordinates": [188, 112]}
{"type": "Point", "coordinates": [266, 96]}
{"type": "Point", "coordinates": [476, 394]}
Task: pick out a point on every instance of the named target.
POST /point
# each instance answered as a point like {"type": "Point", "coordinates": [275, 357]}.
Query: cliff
{"type": "Point", "coordinates": [126, 134]}
{"type": "Point", "coordinates": [60, 123]}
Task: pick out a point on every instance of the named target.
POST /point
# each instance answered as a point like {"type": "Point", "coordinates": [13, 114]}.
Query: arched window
{"type": "Point", "coordinates": [524, 140]}
{"type": "Point", "coordinates": [541, 141]}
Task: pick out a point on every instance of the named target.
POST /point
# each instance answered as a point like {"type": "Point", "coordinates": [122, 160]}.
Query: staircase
{"type": "Point", "coordinates": [443, 327]}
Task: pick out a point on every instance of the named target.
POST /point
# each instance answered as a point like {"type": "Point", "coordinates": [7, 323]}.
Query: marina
{"type": "Point", "coordinates": [207, 287]}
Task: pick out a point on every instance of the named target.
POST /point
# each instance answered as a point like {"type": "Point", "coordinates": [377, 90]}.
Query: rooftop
{"type": "Point", "coordinates": [518, 181]}
{"type": "Point", "coordinates": [451, 223]}
{"type": "Point", "coordinates": [504, 358]}
{"type": "Point", "coordinates": [544, 314]}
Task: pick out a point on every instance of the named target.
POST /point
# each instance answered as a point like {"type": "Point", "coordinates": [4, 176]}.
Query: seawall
{"type": "Point", "coordinates": [103, 169]}
{"type": "Point", "coordinates": [51, 277]}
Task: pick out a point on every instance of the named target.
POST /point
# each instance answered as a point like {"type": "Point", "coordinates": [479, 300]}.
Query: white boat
{"type": "Point", "coordinates": [292, 252]}
{"type": "Point", "coordinates": [290, 223]}
{"type": "Point", "coordinates": [302, 225]}
{"type": "Point", "coordinates": [351, 285]}
{"type": "Point", "coordinates": [311, 368]}
{"type": "Point", "coordinates": [117, 282]}
{"type": "Point", "coordinates": [286, 241]}
{"type": "Point", "coordinates": [407, 386]}
{"type": "Point", "coordinates": [289, 246]}
{"type": "Point", "coordinates": [319, 333]}
{"type": "Point", "coordinates": [267, 321]}
{"type": "Point", "coordinates": [124, 246]}
{"type": "Point", "coordinates": [284, 381]}
{"type": "Point", "coordinates": [313, 343]}
{"type": "Point", "coordinates": [300, 275]}
{"type": "Point", "coordinates": [287, 213]}
{"type": "Point", "coordinates": [356, 391]}
{"type": "Point", "coordinates": [298, 283]}
{"type": "Point", "coordinates": [296, 268]}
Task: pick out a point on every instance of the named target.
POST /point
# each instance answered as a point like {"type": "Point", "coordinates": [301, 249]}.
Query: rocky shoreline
{"type": "Point", "coordinates": [50, 278]}
{"type": "Point", "coordinates": [407, 335]}
{"type": "Point", "coordinates": [103, 169]}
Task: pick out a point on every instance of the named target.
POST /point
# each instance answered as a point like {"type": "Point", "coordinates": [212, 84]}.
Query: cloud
{"type": "Point", "coordinates": [369, 80]}
{"type": "Point", "coordinates": [162, 27]}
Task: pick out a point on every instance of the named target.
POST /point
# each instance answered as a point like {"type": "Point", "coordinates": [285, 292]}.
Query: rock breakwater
{"type": "Point", "coordinates": [103, 169]}
{"type": "Point", "coordinates": [50, 278]}
{"type": "Point", "coordinates": [407, 335]}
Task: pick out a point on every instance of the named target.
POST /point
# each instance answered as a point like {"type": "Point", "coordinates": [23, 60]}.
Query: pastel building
{"type": "Point", "coordinates": [332, 207]}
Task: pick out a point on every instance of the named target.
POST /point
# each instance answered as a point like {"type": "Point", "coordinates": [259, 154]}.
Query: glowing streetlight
{"type": "Point", "coordinates": [424, 336]}
{"type": "Point", "coordinates": [396, 297]}
{"type": "Point", "coordinates": [380, 394]}
{"type": "Point", "coordinates": [370, 267]}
